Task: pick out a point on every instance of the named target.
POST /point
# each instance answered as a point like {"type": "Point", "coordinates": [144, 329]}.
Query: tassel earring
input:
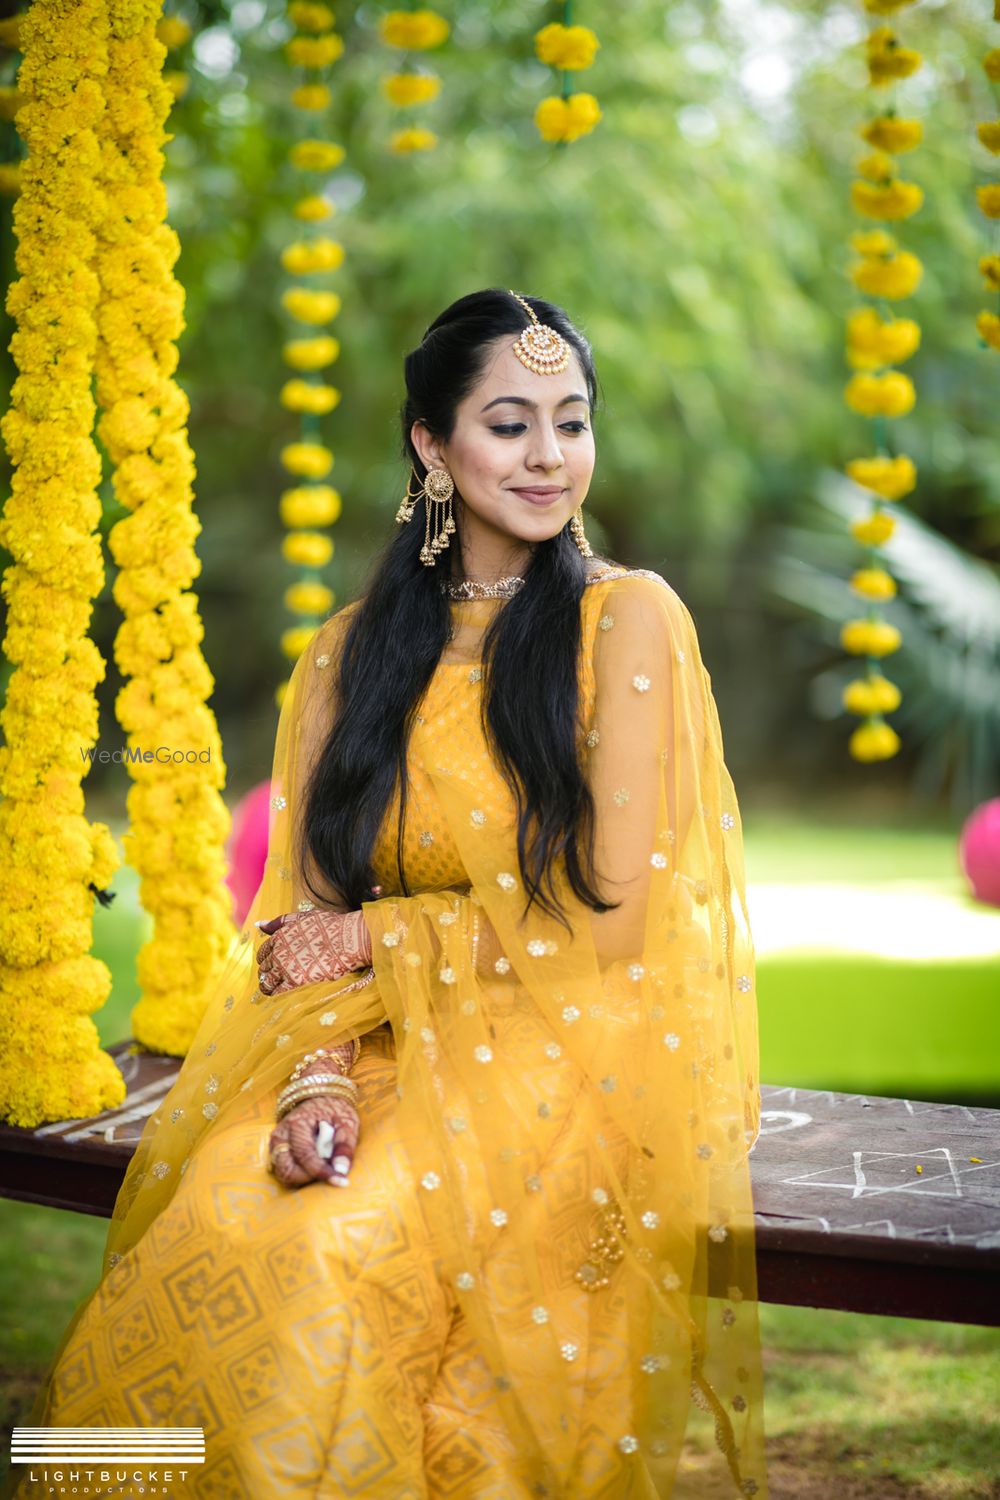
{"type": "Point", "coordinates": [438, 488]}
{"type": "Point", "coordinates": [576, 527]}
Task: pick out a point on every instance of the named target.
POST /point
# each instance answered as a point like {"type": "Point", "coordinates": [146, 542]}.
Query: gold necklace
{"type": "Point", "coordinates": [471, 588]}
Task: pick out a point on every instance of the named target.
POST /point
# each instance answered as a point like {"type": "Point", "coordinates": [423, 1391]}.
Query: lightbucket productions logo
{"type": "Point", "coordinates": [107, 1460]}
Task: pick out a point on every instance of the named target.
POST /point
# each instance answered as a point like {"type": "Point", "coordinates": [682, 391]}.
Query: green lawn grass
{"type": "Point", "coordinates": [857, 1408]}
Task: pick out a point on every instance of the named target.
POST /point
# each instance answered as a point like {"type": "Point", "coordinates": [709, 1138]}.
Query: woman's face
{"type": "Point", "coordinates": [516, 431]}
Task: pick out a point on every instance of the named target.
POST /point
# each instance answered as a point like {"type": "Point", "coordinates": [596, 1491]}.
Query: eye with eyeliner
{"type": "Point", "coordinates": [510, 429]}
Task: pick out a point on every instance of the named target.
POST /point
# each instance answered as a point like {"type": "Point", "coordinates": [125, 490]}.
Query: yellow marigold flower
{"type": "Point", "coordinates": [569, 48]}
{"type": "Point", "coordinates": [567, 119]}
{"type": "Point", "coordinates": [871, 695]}
{"type": "Point", "coordinates": [410, 88]}
{"type": "Point", "coordinates": [172, 32]}
{"type": "Point", "coordinates": [874, 529]}
{"type": "Point", "coordinates": [887, 60]}
{"type": "Point", "coordinates": [870, 637]}
{"type": "Point", "coordinates": [889, 395]}
{"type": "Point", "coordinates": [991, 64]}
{"type": "Point", "coordinates": [314, 51]}
{"type": "Point", "coordinates": [295, 641]}
{"type": "Point", "coordinates": [891, 200]}
{"type": "Point", "coordinates": [11, 100]}
{"type": "Point", "coordinates": [892, 478]}
{"type": "Point", "coordinates": [988, 326]}
{"type": "Point", "coordinates": [989, 199]}
{"type": "Point", "coordinates": [306, 256]}
{"type": "Point", "coordinates": [310, 505]}
{"type": "Point", "coordinates": [413, 30]}
{"type": "Point", "coordinates": [10, 33]}
{"type": "Point", "coordinates": [10, 179]}
{"type": "Point", "coordinates": [893, 278]}
{"type": "Point", "coordinates": [308, 16]}
{"type": "Point", "coordinates": [413, 139]}
{"type": "Point", "coordinates": [875, 741]}
{"type": "Point", "coordinates": [177, 83]}
{"type": "Point", "coordinates": [316, 156]}
{"type": "Point", "coordinates": [873, 583]}
{"type": "Point", "coordinates": [281, 690]}
{"type": "Point", "coordinates": [988, 132]}
{"type": "Point", "coordinates": [314, 208]}
{"type": "Point", "coordinates": [309, 306]}
{"type": "Point", "coordinates": [311, 96]}
{"type": "Point", "coordinates": [888, 133]}
{"type": "Point", "coordinates": [873, 342]}
{"type": "Point", "coordinates": [873, 242]}
{"type": "Point", "coordinates": [310, 460]}
{"type": "Point", "coordinates": [311, 354]}
{"type": "Point", "coordinates": [878, 167]}
{"type": "Point", "coordinates": [303, 395]}
{"type": "Point", "coordinates": [307, 549]}
{"type": "Point", "coordinates": [308, 598]}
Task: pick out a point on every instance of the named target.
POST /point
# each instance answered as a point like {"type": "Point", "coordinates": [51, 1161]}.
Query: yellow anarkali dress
{"type": "Point", "coordinates": [541, 1277]}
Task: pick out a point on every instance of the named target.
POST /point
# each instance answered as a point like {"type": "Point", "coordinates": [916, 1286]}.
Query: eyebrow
{"type": "Point", "coordinates": [523, 401]}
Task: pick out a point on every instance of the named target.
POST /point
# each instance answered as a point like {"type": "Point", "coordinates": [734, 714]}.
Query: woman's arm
{"type": "Point", "coordinates": [642, 773]}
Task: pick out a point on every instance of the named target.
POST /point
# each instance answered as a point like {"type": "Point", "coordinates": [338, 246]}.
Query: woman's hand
{"type": "Point", "coordinates": [304, 947]}
{"type": "Point", "coordinates": [301, 1162]}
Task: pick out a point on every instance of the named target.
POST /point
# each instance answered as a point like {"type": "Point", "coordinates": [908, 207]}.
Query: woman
{"type": "Point", "coordinates": [537, 1272]}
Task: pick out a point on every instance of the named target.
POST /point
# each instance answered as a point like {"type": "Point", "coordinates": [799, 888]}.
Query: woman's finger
{"type": "Point", "coordinates": [283, 1164]}
{"type": "Point", "coordinates": [303, 1143]}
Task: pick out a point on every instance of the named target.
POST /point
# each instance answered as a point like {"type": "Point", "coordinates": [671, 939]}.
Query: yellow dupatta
{"type": "Point", "coordinates": [577, 1107]}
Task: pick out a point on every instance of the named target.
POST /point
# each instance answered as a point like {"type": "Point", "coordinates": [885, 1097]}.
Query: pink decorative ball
{"type": "Point", "coordinates": [979, 851]}
{"type": "Point", "coordinates": [248, 847]}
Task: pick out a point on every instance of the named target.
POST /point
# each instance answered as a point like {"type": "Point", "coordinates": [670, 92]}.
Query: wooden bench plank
{"type": "Point", "coordinates": [842, 1218]}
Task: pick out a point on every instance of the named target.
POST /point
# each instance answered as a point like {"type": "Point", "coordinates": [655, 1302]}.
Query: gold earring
{"type": "Point", "coordinates": [438, 487]}
{"type": "Point", "coordinates": [576, 527]}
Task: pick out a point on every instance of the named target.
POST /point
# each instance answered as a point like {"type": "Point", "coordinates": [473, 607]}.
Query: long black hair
{"type": "Point", "coordinates": [399, 630]}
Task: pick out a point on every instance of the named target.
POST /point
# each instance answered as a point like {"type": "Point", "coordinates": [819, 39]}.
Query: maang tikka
{"type": "Point", "coordinates": [540, 348]}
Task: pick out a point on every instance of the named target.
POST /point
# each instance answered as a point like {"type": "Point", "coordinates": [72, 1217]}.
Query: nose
{"type": "Point", "coordinates": [546, 449]}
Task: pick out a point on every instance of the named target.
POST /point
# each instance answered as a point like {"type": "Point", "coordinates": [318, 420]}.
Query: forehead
{"type": "Point", "coordinates": [505, 375]}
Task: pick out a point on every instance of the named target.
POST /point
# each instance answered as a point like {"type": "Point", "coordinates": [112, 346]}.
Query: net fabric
{"type": "Point", "coordinates": [573, 1110]}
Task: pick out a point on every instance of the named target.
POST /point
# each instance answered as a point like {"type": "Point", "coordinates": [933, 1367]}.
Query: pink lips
{"type": "Point", "coordinates": [540, 497]}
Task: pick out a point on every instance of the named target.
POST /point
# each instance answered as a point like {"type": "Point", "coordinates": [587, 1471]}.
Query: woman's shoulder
{"type": "Point", "coordinates": [615, 573]}
{"type": "Point", "coordinates": [638, 599]}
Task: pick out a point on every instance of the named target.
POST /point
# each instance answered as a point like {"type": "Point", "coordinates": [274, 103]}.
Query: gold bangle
{"type": "Point", "coordinates": [325, 1093]}
{"type": "Point", "coordinates": [309, 1089]}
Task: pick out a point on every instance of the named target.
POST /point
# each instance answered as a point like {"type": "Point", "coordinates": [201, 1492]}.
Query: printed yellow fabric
{"type": "Point", "coordinates": [541, 1278]}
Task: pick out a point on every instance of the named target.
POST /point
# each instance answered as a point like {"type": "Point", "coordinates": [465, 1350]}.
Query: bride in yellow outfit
{"type": "Point", "coordinates": [451, 1198]}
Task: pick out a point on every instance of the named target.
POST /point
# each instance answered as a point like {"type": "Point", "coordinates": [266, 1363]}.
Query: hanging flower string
{"type": "Point", "coordinates": [877, 340]}
{"type": "Point", "coordinates": [178, 819]}
{"type": "Point", "coordinates": [174, 34]}
{"type": "Point", "coordinates": [564, 117]}
{"type": "Point", "coordinates": [410, 87]}
{"type": "Point", "coordinates": [11, 99]}
{"type": "Point", "coordinates": [52, 859]}
{"type": "Point", "coordinates": [308, 507]}
{"type": "Point", "coordinates": [988, 197]}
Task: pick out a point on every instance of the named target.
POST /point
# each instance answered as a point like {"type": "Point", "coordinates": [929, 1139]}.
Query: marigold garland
{"type": "Point", "coordinates": [178, 819]}
{"type": "Point", "coordinates": [11, 100]}
{"type": "Point", "coordinates": [412, 31]}
{"type": "Point", "coordinates": [308, 506]}
{"type": "Point", "coordinates": [565, 117]}
{"type": "Point", "coordinates": [53, 860]}
{"type": "Point", "coordinates": [174, 33]}
{"type": "Point", "coordinates": [876, 340]}
{"type": "Point", "coordinates": [988, 199]}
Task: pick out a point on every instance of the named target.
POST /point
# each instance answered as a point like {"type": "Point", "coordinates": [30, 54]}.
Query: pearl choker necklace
{"type": "Point", "coordinates": [471, 588]}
